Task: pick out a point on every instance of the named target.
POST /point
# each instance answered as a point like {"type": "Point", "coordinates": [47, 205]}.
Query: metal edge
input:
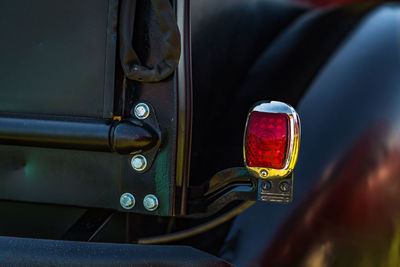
{"type": "Point", "coordinates": [183, 76]}
{"type": "Point", "coordinates": [110, 57]}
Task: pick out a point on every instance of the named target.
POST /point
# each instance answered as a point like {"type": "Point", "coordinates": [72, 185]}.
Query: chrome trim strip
{"type": "Point", "coordinates": [183, 83]}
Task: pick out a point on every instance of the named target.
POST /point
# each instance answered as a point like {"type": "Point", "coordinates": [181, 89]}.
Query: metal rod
{"type": "Point", "coordinates": [84, 134]}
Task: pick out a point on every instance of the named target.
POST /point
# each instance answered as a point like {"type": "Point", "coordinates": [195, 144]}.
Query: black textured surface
{"type": "Point", "coordinates": [170, 47]}
{"type": "Point", "coordinates": [36, 252]}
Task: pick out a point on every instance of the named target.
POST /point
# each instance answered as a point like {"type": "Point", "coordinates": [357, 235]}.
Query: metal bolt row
{"type": "Point", "coordinates": [141, 111]}
{"type": "Point", "coordinates": [150, 202]}
{"type": "Point", "coordinates": [283, 186]}
{"type": "Point", "coordinates": [139, 163]}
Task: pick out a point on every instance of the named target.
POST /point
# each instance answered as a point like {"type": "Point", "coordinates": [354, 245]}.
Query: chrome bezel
{"type": "Point", "coordinates": [294, 139]}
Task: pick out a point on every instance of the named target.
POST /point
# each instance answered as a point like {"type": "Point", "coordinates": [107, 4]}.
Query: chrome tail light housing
{"type": "Point", "coordinates": [271, 140]}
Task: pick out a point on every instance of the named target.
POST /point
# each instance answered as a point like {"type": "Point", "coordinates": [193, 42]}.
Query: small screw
{"type": "Point", "coordinates": [127, 201]}
{"type": "Point", "coordinates": [284, 186]}
{"type": "Point", "coordinates": [138, 162]}
{"type": "Point", "coordinates": [266, 185]}
{"type": "Point", "coordinates": [263, 173]}
{"type": "Point", "coordinates": [141, 111]}
{"type": "Point", "coordinates": [150, 202]}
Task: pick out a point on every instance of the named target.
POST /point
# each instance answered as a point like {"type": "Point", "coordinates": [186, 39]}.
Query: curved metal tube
{"type": "Point", "coordinates": [123, 137]}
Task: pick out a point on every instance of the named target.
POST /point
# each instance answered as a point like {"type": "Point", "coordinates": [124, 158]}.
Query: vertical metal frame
{"type": "Point", "coordinates": [183, 84]}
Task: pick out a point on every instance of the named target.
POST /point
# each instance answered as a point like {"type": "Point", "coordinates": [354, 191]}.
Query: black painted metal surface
{"type": "Point", "coordinates": [160, 179]}
{"type": "Point", "coordinates": [54, 63]}
{"type": "Point", "coordinates": [67, 67]}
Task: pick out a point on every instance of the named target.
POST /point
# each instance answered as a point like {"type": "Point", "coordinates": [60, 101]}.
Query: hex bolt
{"type": "Point", "coordinates": [127, 201]}
{"type": "Point", "coordinates": [284, 186]}
{"type": "Point", "coordinates": [138, 162]}
{"type": "Point", "coordinates": [141, 111]}
{"type": "Point", "coordinates": [150, 202]}
{"type": "Point", "coordinates": [266, 185]}
{"type": "Point", "coordinates": [263, 173]}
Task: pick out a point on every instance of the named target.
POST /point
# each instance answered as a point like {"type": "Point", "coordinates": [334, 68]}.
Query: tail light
{"type": "Point", "coordinates": [271, 140]}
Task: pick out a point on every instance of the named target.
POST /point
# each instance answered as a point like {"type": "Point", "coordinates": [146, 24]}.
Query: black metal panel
{"type": "Point", "coordinates": [160, 179]}
{"type": "Point", "coordinates": [79, 178]}
{"type": "Point", "coordinates": [162, 96]}
{"type": "Point", "coordinates": [84, 178]}
{"type": "Point", "coordinates": [58, 176]}
{"type": "Point", "coordinates": [58, 57]}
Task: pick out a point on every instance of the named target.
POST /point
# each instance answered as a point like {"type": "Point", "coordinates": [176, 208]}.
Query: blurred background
{"type": "Point", "coordinates": [337, 62]}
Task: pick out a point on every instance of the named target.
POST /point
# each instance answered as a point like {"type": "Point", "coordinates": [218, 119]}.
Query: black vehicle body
{"type": "Point", "coordinates": [60, 197]}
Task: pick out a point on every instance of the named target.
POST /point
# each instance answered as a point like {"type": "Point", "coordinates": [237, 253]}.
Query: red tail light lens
{"type": "Point", "coordinates": [271, 140]}
{"type": "Point", "coordinates": [266, 140]}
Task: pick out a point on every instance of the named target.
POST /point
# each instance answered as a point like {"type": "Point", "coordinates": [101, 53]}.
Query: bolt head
{"type": "Point", "coordinates": [141, 111]}
{"type": "Point", "coordinates": [263, 173]}
{"type": "Point", "coordinates": [150, 202]}
{"type": "Point", "coordinates": [284, 186]}
{"type": "Point", "coordinates": [127, 201]}
{"type": "Point", "coordinates": [266, 185]}
{"type": "Point", "coordinates": [138, 162]}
